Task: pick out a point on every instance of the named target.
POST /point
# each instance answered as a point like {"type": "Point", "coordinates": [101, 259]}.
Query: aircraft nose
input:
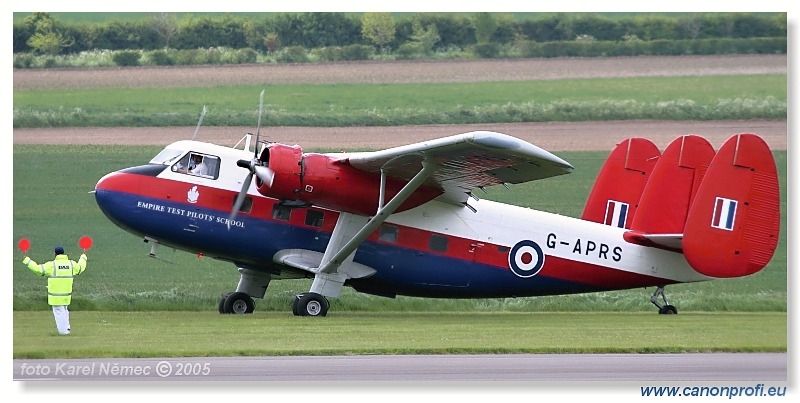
{"type": "Point", "coordinates": [112, 193]}
{"type": "Point", "coordinates": [107, 184]}
{"type": "Point", "coordinates": [116, 182]}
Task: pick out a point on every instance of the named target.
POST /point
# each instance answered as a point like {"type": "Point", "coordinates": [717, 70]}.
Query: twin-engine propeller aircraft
{"type": "Point", "coordinates": [405, 220]}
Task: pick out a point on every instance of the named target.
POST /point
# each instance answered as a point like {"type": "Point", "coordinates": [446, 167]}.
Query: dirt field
{"type": "Point", "coordinates": [551, 136]}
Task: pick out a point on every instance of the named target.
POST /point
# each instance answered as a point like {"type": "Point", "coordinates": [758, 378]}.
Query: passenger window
{"type": "Point", "coordinates": [281, 212]}
{"type": "Point", "coordinates": [388, 233]}
{"type": "Point", "coordinates": [314, 218]}
{"type": "Point", "coordinates": [247, 205]}
{"type": "Point", "coordinates": [438, 243]}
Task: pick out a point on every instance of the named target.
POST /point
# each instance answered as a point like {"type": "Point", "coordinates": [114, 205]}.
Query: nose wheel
{"type": "Point", "coordinates": [310, 304]}
{"type": "Point", "coordinates": [665, 308]}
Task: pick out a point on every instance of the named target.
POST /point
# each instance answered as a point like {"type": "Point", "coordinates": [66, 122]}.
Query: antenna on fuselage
{"type": "Point", "coordinates": [199, 122]}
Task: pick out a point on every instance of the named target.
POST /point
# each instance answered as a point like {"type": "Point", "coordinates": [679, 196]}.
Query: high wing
{"type": "Point", "coordinates": [464, 162]}
{"type": "Point", "coordinates": [455, 165]}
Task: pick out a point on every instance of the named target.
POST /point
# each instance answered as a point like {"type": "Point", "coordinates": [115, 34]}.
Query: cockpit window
{"type": "Point", "coordinates": [166, 156]}
{"type": "Point", "coordinates": [197, 164]}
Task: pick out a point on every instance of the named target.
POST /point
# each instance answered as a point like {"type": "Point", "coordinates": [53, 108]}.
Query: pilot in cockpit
{"type": "Point", "coordinates": [196, 165]}
{"type": "Point", "coordinates": [200, 167]}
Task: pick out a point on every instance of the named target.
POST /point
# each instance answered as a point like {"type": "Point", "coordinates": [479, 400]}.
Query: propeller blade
{"type": "Point", "coordinates": [243, 163]}
{"type": "Point", "coordinates": [240, 198]}
{"type": "Point", "coordinates": [258, 127]}
{"type": "Point", "coordinates": [265, 174]}
{"type": "Point", "coordinates": [199, 122]}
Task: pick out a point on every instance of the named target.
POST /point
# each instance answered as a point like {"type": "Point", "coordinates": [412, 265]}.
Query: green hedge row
{"type": "Point", "coordinates": [322, 30]}
{"type": "Point", "coordinates": [654, 48]}
{"type": "Point", "coordinates": [298, 54]}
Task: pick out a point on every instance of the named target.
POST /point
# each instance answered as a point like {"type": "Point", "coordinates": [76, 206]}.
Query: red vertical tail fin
{"type": "Point", "coordinates": [733, 224]}
{"type": "Point", "coordinates": [616, 192]}
{"type": "Point", "coordinates": [672, 186]}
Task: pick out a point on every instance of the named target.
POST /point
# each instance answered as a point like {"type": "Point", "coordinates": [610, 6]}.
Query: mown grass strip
{"type": "Point", "coordinates": [177, 334]}
{"type": "Point", "coordinates": [669, 98]}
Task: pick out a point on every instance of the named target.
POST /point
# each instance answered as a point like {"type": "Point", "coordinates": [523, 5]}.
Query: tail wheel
{"type": "Point", "coordinates": [665, 308]}
{"type": "Point", "coordinates": [668, 310]}
{"type": "Point", "coordinates": [310, 304]}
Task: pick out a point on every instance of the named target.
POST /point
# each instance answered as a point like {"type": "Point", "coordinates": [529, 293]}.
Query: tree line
{"type": "Point", "coordinates": [483, 34]}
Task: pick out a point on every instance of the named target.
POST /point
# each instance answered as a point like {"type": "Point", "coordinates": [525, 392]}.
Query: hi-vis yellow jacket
{"type": "Point", "coordinates": [60, 272]}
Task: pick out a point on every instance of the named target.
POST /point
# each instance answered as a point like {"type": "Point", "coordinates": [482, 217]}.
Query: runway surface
{"type": "Point", "coordinates": [660, 368]}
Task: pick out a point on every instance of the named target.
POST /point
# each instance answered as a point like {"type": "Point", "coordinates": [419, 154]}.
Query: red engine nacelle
{"type": "Point", "coordinates": [321, 181]}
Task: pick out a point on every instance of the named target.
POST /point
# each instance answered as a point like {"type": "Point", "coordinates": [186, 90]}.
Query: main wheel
{"type": "Point", "coordinates": [295, 303]}
{"type": "Point", "coordinates": [312, 304]}
{"type": "Point", "coordinates": [221, 304]}
{"type": "Point", "coordinates": [238, 303]}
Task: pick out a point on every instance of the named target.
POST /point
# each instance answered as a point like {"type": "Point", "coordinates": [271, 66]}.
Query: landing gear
{"type": "Point", "coordinates": [236, 303]}
{"type": "Point", "coordinates": [221, 305]}
{"type": "Point", "coordinates": [310, 304]}
{"type": "Point", "coordinates": [666, 308]}
{"type": "Point", "coordinates": [251, 285]}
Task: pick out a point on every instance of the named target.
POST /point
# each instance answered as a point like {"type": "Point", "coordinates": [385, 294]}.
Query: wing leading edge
{"type": "Point", "coordinates": [464, 162]}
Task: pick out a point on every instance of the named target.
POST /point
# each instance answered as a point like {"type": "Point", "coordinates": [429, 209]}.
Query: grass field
{"type": "Point", "coordinates": [177, 334]}
{"type": "Point", "coordinates": [120, 276]}
{"type": "Point", "coordinates": [679, 98]}
{"type": "Point", "coordinates": [127, 305]}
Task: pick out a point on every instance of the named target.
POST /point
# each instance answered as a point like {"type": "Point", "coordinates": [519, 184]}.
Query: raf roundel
{"type": "Point", "coordinates": [526, 259]}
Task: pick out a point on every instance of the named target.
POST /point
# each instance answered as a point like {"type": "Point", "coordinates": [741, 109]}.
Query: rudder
{"type": "Point", "coordinates": [672, 186]}
{"type": "Point", "coordinates": [733, 224]}
{"type": "Point", "coordinates": [619, 184]}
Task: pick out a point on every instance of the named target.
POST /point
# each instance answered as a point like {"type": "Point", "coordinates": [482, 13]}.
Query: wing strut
{"type": "Point", "coordinates": [330, 265]}
{"type": "Point", "coordinates": [328, 281]}
{"type": "Point", "coordinates": [382, 195]}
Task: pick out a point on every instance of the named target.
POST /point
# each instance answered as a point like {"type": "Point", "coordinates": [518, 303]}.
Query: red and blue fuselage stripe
{"type": "Point", "coordinates": [140, 202]}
